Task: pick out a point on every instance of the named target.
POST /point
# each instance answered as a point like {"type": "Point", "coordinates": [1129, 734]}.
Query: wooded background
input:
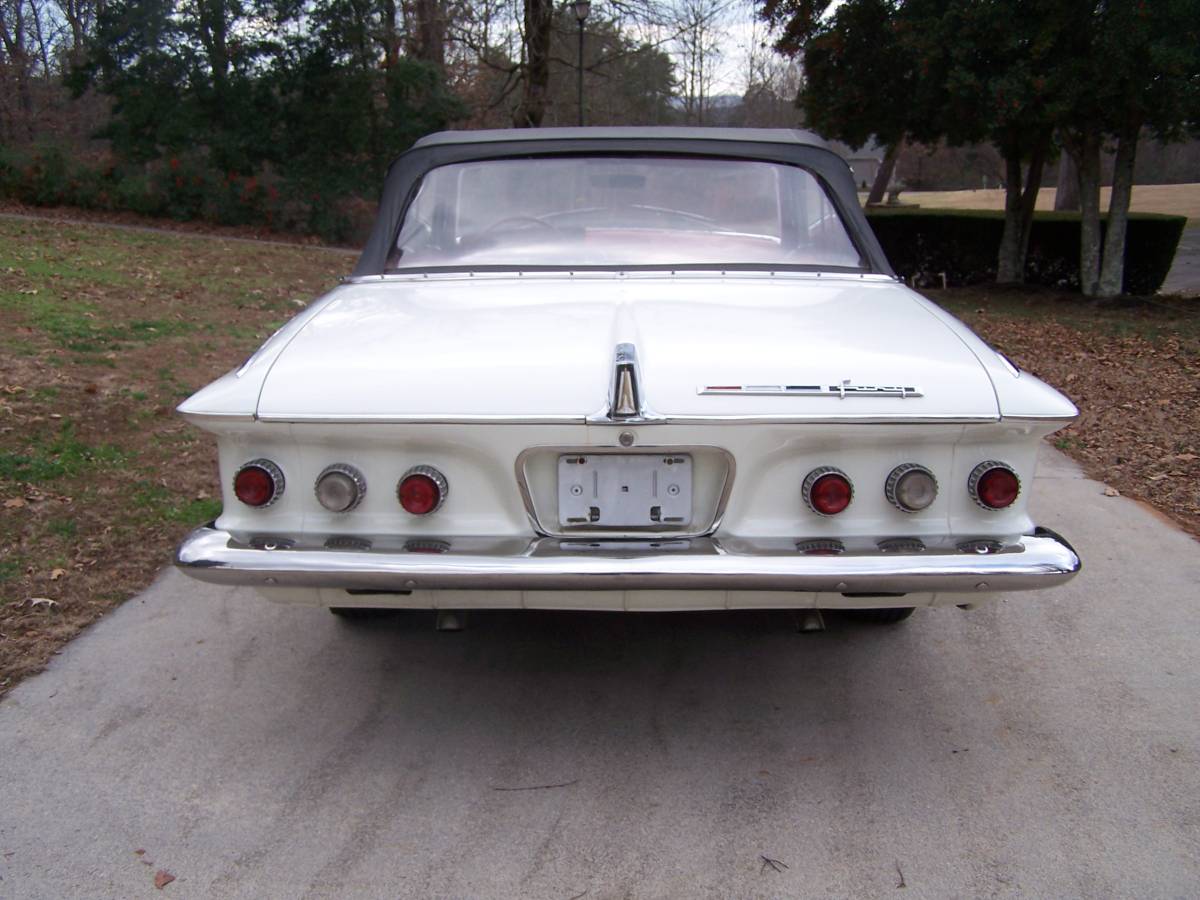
{"type": "Point", "coordinates": [285, 113]}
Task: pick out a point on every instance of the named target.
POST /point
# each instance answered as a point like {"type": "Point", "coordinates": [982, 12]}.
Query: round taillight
{"type": "Point", "coordinates": [910, 487]}
{"type": "Point", "coordinates": [258, 483]}
{"type": "Point", "coordinates": [340, 487]}
{"type": "Point", "coordinates": [827, 491]}
{"type": "Point", "coordinates": [993, 485]}
{"type": "Point", "coordinates": [422, 490]}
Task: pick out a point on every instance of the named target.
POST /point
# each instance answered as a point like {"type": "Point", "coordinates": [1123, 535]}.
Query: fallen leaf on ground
{"type": "Point", "coordinates": [56, 574]}
{"type": "Point", "coordinates": [162, 878]}
{"type": "Point", "coordinates": [42, 601]}
{"type": "Point", "coordinates": [1111, 492]}
{"type": "Point", "coordinates": [14, 503]}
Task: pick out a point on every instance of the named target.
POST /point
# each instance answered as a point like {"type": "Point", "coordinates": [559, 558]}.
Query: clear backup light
{"type": "Point", "coordinates": [827, 491]}
{"type": "Point", "coordinates": [910, 488]}
{"type": "Point", "coordinates": [340, 487]}
{"type": "Point", "coordinates": [993, 485]}
{"type": "Point", "coordinates": [258, 483]}
{"type": "Point", "coordinates": [422, 490]}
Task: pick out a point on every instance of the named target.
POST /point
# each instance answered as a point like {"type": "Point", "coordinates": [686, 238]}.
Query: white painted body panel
{"type": "Point", "coordinates": [466, 374]}
{"type": "Point", "coordinates": [772, 459]}
{"type": "Point", "coordinates": [542, 346]}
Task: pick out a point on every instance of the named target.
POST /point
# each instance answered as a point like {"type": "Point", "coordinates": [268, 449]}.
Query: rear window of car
{"type": "Point", "coordinates": [622, 212]}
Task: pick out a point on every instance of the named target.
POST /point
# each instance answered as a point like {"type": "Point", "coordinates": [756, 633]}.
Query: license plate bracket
{"type": "Point", "coordinates": [651, 491]}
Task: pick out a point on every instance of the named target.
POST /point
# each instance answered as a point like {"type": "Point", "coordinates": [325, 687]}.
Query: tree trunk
{"type": "Point", "coordinates": [389, 31]}
{"type": "Point", "coordinates": [1008, 267]}
{"type": "Point", "coordinates": [539, 22]}
{"type": "Point", "coordinates": [1066, 197]}
{"type": "Point", "coordinates": [1019, 204]}
{"type": "Point", "coordinates": [1033, 185]}
{"type": "Point", "coordinates": [19, 65]}
{"type": "Point", "coordinates": [1087, 162]}
{"type": "Point", "coordinates": [214, 21]}
{"type": "Point", "coordinates": [884, 176]}
{"type": "Point", "coordinates": [427, 31]}
{"type": "Point", "coordinates": [1112, 269]}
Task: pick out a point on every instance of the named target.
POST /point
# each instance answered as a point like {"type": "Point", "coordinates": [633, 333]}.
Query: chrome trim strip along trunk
{"type": "Point", "coordinates": [1040, 560]}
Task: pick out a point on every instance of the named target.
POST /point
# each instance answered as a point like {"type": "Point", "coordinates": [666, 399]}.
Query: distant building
{"type": "Point", "coordinates": [864, 161]}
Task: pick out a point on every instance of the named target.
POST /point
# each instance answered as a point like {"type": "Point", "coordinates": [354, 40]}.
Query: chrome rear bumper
{"type": "Point", "coordinates": [1042, 559]}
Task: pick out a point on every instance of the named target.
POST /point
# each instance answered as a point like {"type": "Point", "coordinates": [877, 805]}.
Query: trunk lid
{"type": "Point", "coordinates": [542, 346]}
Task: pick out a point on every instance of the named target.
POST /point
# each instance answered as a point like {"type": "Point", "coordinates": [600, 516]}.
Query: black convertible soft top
{"type": "Point", "coordinates": [787, 146]}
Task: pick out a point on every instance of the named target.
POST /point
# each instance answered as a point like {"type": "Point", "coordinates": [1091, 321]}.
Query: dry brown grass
{"type": "Point", "coordinates": [102, 332]}
{"type": "Point", "coordinates": [1171, 199]}
{"type": "Point", "coordinates": [1133, 370]}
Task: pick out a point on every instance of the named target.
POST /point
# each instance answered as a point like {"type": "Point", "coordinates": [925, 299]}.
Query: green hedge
{"type": "Point", "coordinates": [924, 243]}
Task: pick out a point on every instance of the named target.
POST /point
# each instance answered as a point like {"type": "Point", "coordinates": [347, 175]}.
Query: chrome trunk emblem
{"type": "Point", "coordinates": [625, 397]}
{"type": "Point", "coordinates": [625, 400]}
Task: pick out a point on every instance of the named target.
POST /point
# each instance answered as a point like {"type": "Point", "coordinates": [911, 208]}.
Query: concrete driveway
{"type": "Point", "coordinates": [1047, 746]}
{"type": "Point", "coordinates": [1184, 277]}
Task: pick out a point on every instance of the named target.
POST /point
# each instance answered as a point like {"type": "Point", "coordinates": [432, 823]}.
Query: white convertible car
{"type": "Point", "coordinates": [626, 369]}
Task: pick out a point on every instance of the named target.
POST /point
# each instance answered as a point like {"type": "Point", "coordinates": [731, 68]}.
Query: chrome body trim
{"type": "Point", "coordinates": [626, 401]}
{"type": "Point", "coordinates": [843, 389]}
{"type": "Point", "coordinates": [585, 533]}
{"type": "Point", "coordinates": [617, 273]}
{"type": "Point", "coordinates": [1062, 420]}
{"type": "Point", "coordinates": [1039, 560]}
{"type": "Point", "coordinates": [533, 419]}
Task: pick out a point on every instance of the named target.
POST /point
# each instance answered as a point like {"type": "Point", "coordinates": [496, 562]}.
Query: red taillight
{"type": "Point", "coordinates": [422, 490]}
{"type": "Point", "coordinates": [258, 483]}
{"type": "Point", "coordinates": [827, 491]}
{"type": "Point", "coordinates": [993, 485]}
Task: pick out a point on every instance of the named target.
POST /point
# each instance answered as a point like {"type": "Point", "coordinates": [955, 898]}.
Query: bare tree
{"type": "Point", "coordinates": [80, 18]}
{"type": "Point", "coordinates": [426, 26]}
{"type": "Point", "coordinates": [16, 69]}
{"type": "Point", "coordinates": [772, 84]}
{"type": "Point", "coordinates": [699, 43]}
{"type": "Point", "coordinates": [539, 26]}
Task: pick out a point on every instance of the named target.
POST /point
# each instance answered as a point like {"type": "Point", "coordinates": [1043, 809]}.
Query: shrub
{"type": "Point", "coordinates": [38, 176]}
{"type": "Point", "coordinates": [186, 187]}
{"type": "Point", "coordinates": [921, 244]}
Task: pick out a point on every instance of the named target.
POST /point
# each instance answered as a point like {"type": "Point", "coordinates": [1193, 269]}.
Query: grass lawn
{"type": "Point", "coordinates": [1170, 199]}
{"type": "Point", "coordinates": [102, 332]}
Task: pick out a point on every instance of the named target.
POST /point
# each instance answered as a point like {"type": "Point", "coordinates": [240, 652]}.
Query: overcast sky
{"type": "Point", "coordinates": [738, 32]}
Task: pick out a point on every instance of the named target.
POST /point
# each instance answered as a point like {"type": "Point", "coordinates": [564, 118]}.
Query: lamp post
{"type": "Point", "coordinates": [581, 9]}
